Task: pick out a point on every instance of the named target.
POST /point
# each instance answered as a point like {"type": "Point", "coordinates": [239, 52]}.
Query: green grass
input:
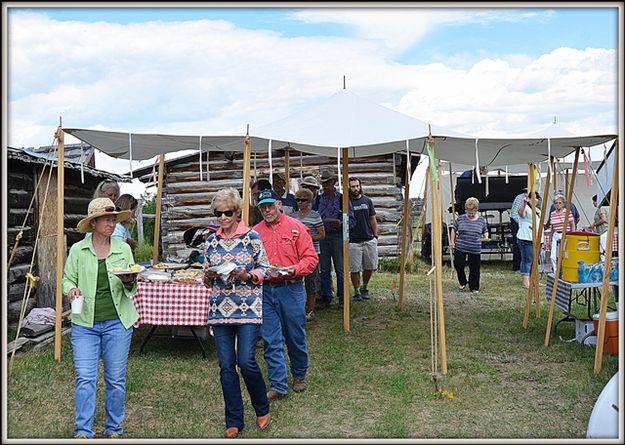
{"type": "Point", "coordinates": [374, 382]}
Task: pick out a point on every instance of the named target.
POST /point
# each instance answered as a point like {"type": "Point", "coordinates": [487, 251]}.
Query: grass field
{"type": "Point", "coordinates": [374, 382]}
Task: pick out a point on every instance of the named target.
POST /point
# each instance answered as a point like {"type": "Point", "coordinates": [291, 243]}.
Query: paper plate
{"type": "Point", "coordinates": [137, 268]}
{"type": "Point", "coordinates": [170, 266]}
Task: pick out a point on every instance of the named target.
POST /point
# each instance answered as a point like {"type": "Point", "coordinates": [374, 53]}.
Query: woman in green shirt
{"type": "Point", "coordinates": [104, 325]}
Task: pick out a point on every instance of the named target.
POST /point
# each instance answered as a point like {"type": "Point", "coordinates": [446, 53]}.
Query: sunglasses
{"type": "Point", "coordinates": [228, 213]}
{"type": "Point", "coordinates": [301, 199]}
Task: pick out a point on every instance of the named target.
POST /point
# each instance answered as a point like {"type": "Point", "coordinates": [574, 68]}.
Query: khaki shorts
{"type": "Point", "coordinates": [363, 256]}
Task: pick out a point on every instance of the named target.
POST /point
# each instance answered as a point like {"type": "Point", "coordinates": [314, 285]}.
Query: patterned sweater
{"type": "Point", "coordinates": [236, 302]}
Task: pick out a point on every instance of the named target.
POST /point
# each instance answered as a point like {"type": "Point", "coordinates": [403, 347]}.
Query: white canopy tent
{"type": "Point", "coordinates": [347, 125]}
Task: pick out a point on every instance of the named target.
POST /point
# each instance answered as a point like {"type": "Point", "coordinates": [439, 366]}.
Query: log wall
{"type": "Point", "coordinates": [186, 199]}
{"type": "Point", "coordinates": [22, 183]}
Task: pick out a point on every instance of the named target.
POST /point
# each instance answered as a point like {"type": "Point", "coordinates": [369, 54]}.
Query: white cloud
{"type": "Point", "coordinates": [401, 27]}
{"type": "Point", "coordinates": [204, 76]}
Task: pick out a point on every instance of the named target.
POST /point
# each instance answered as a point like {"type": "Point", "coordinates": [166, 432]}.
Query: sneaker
{"type": "Point", "coordinates": [309, 316]}
{"type": "Point", "coordinates": [275, 395]}
{"type": "Point", "coordinates": [300, 385]}
{"type": "Point", "coordinates": [356, 297]}
{"type": "Point", "coordinates": [364, 294]}
{"type": "Point", "coordinates": [475, 291]}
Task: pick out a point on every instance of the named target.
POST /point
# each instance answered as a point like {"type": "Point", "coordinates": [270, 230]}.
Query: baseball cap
{"type": "Point", "coordinates": [267, 196]}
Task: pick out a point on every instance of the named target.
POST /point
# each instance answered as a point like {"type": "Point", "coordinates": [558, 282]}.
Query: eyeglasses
{"type": "Point", "coordinates": [301, 199]}
{"type": "Point", "coordinates": [228, 213]}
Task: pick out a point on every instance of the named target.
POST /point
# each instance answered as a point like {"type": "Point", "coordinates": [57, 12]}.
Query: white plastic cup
{"type": "Point", "coordinates": [77, 303]}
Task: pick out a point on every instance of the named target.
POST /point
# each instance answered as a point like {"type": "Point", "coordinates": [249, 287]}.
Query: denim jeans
{"type": "Point", "coordinates": [110, 340]}
{"type": "Point", "coordinates": [246, 338]}
{"type": "Point", "coordinates": [331, 252]}
{"type": "Point", "coordinates": [527, 257]}
{"type": "Point", "coordinates": [284, 322]}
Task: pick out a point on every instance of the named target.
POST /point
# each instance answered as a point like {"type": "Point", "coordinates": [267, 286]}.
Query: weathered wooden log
{"type": "Point", "coordinates": [19, 198]}
{"type": "Point", "coordinates": [17, 273]}
{"type": "Point", "coordinates": [28, 236]}
{"type": "Point", "coordinates": [16, 291]}
{"type": "Point", "coordinates": [23, 254]}
{"type": "Point", "coordinates": [21, 180]}
{"type": "Point", "coordinates": [14, 308]}
{"type": "Point", "coordinates": [16, 216]}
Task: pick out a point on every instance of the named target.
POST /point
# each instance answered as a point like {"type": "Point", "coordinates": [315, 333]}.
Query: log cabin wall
{"type": "Point", "coordinates": [21, 186]}
{"type": "Point", "coordinates": [186, 199]}
{"type": "Point", "coordinates": [24, 173]}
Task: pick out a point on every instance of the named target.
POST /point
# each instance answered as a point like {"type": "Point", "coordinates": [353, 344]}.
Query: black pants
{"type": "Point", "coordinates": [516, 253]}
{"type": "Point", "coordinates": [460, 261]}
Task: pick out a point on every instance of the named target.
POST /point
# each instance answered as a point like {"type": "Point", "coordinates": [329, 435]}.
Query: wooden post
{"type": "Point", "coordinates": [608, 263]}
{"type": "Point", "coordinates": [453, 197]}
{"type": "Point", "coordinates": [247, 173]}
{"type": "Point", "coordinates": [157, 220]}
{"type": "Point", "coordinates": [346, 273]}
{"type": "Point", "coordinates": [140, 222]}
{"type": "Point", "coordinates": [404, 229]}
{"type": "Point", "coordinates": [287, 172]}
{"type": "Point", "coordinates": [437, 252]}
{"type": "Point", "coordinates": [535, 252]}
{"type": "Point", "coordinates": [556, 275]}
{"type": "Point", "coordinates": [425, 204]}
{"type": "Point", "coordinates": [60, 238]}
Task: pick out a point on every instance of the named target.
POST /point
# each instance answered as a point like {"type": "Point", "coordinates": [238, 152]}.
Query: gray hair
{"type": "Point", "coordinates": [472, 203]}
{"type": "Point", "coordinates": [228, 197]}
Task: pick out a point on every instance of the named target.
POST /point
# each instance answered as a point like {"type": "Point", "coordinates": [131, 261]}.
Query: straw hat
{"type": "Point", "coordinates": [101, 207]}
{"type": "Point", "coordinates": [310, 181]}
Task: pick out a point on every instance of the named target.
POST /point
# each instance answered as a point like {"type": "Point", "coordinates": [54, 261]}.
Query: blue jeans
{"type": "Point", "coordinates": [246, 337]}
{"type": "Point", "coordinates": [331, 252]}
{"type": "Point", "coordinates": [284, 322]}
{"type": "Point", "coordinates": [112, 341]}
{"type": "Point", "coordinates": [527, 257]}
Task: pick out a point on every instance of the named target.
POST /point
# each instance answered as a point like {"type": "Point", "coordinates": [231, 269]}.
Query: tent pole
{"type": "Point", "coordinates": [404, 229]}
{"type": "Point", "coordinates": [159, 198]}
{"type": "Point", "coordinates": [425, 205]}
{"type": "Point", "coordinates": [437, 235]}
{"type": "Point", "coordinates": [556, 275]}
{"type": "Point", "coordinates": [535, 252]}
{"type": "Point", "coordinates": [608, 263]}
{"type": "Point", "coordinates": [346, 273]}
{"type": "Point", "coordinates": [286, 169]}
{"type": "Point", "coordinates": [453, 198]}
{"type": "Point", "coordinates": [60, 238]}
{"type": "Point", "coordinates": [247, 158]}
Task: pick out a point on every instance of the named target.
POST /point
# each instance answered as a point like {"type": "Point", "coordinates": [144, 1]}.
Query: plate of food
{"type": "Point", "coordinates": [134, 269]}
{"type": "Point", "coordinates": [188, 273]}
{"type": "Point", "coordinates": [277, 271]}
{"type": "Point", "coordinates": [187, 280]}
{"type": "Point", "coordinates": [170, 266]}
{"type": "Point", "coordinates": [157, 276]}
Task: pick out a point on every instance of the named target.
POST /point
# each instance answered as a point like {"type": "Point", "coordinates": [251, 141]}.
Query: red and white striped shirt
{"type": "Point", "coordinates": [556, 221]}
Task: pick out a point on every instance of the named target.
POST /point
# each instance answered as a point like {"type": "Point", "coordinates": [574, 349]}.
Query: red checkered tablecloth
{"type": "Point", "coordinates": [172, 304]}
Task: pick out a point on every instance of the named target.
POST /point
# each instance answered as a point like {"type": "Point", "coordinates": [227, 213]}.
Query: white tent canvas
{"type": "Point", "coordinates": [346, 120]}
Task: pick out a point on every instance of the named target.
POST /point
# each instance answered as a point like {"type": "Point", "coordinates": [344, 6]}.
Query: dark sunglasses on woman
{"type": "Point", "coordinates": [301, 199]}
{"type": "Point", "coordinates": [228, 213]}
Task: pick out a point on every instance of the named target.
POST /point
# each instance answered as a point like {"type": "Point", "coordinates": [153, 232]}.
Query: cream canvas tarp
{"type": "Point", "coordinates": [346, 120]}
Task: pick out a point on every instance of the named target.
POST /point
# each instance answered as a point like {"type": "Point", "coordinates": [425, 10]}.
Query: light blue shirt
{"type": "Point", "coordinates": [525, 223]}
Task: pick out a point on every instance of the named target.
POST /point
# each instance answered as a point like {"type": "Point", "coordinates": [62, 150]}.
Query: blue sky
{"type": "Point", "coordinates": [551, 28]}
{"type": "Point", "coordinates": [484, 71]}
